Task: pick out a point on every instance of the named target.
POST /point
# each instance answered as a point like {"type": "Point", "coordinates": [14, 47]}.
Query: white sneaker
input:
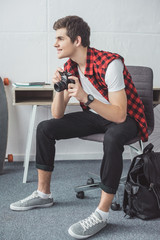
{"type": "Point", "coordinates": [87, 227]}
{"type": "Point", "coordinates": [30, 202]}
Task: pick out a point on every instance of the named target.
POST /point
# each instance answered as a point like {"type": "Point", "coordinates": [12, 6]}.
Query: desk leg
{"type": "Point", "coordinates": [29, 142]}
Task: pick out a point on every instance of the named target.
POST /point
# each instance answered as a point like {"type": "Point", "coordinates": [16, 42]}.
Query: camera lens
{"type": "Point", "coordinates": [60, 86]}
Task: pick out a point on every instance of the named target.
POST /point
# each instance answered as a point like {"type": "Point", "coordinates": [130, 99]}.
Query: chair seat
{"type": "Point", "coordinates": [99, 137]}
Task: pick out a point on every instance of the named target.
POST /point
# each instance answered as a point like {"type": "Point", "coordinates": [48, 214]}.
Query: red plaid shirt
{"type": "Point", "coordinates": [96, 66]}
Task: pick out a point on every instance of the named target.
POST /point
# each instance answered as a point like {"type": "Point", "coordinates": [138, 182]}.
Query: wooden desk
{"type": "Point", "coordinates": [34, 96]}
{"type": "Point", "coordinates": [156, 96]}
{"type": "Point", "coordinates": [44, 95]}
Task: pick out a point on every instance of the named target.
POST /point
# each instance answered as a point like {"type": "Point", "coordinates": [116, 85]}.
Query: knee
{"type": "Point", "coordinates": [44, 128]}
{"type": "Point", "coordinates": [111, 138]}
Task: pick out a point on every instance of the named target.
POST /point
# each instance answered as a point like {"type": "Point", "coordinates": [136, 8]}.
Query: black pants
{"type": "Point", "coordinates": [81, 124]}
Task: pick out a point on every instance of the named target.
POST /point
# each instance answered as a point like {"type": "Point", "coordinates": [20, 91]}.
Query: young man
{"type": "Point", "coordinates": [111, 105]}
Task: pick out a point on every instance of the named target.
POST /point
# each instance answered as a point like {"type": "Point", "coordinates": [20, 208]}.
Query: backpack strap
{"type": "Point", "coordinates": [156, 191]}
{"type": "Point", "coordinates": [134, 161]}
{"type": "Point", "coordinates": [128, 201]}
{"type": "Point", "coordinates": [148, 148]}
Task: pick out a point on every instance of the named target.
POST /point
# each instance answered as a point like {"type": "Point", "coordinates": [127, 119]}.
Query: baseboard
{"type": "Point", "coordinates": [71, 156]}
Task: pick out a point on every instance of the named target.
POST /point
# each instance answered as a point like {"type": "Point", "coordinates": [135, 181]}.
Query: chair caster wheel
{"type": "Point", "coordinates": [80, 195]}
{"type": "Point", "coordinates": [90, 181]}
{"type": "Point", "coordinates": [115, 206]}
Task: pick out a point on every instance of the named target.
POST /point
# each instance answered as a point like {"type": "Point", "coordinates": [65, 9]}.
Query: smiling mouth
{"type": "Point", "coordinates": [59, 50]}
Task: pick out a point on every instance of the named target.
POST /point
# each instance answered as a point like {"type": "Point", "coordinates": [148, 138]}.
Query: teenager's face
{"type": "Point", "coordinates": [65, 48]}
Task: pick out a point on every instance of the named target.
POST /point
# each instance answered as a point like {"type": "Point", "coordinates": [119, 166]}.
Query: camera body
{"type": "Point", "coordinates": [63, 84]}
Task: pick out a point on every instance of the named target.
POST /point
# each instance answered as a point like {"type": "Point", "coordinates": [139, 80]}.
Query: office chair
{"type": "Point", "coordinates": [143, 81]}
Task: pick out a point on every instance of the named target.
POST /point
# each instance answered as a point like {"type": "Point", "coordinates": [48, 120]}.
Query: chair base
{"type": "Point", "coordinates": [92, 184]}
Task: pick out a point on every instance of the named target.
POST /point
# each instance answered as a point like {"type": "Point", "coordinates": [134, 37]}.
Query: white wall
{"type": "Point", "coordinates": [129, 27]}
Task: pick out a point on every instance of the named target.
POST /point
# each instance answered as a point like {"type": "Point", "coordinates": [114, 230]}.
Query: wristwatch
{"type": "Point", "coordinates": [90, 99]}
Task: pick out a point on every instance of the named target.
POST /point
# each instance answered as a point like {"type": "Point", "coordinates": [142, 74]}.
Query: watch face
{"type": "Point", "coordinates": [90, 97]}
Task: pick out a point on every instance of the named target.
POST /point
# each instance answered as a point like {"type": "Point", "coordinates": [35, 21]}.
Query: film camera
{"type": "Point", "coordinates": [63, 84]}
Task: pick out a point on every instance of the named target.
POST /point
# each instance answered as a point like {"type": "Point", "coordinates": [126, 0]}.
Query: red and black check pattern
{"type": "Point", "coordinates": [96, 66]}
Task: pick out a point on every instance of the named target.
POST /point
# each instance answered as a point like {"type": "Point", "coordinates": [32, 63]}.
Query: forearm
{"type": "Point", "coordinates": [59, 105]}
{"type": "Point", "coordinates": [116, 111]}
{"type": "Point", "coordinates": [110, 112]}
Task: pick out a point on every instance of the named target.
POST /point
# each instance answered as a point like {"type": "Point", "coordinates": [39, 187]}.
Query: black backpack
{"type": "Point", "coordinates": [142, 188]}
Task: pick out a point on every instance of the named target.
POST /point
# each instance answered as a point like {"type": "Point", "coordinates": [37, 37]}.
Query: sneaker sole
{"type": "Point", "coordinates": [14, 208]}
{"type": "Point", "coordinates": [78, 236]}
{"type": "Point", "coordinates": [83, 237]}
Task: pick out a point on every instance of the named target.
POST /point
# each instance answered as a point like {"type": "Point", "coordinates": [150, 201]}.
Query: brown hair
{"type": "Point", "coordinates": [75, 26]}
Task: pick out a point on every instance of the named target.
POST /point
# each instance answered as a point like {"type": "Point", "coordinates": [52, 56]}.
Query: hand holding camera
{"type": "Point", "coordinates": [61, 81]}
{"type": "Point", "coordinates": [63, 84]}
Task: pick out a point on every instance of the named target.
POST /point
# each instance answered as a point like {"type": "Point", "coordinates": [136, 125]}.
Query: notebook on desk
{"type": "Point", "coordinates": [30, 84]}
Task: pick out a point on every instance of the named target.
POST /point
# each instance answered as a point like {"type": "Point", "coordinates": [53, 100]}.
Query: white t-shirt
{"type": "Point", "coordinates": [114, 79]}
